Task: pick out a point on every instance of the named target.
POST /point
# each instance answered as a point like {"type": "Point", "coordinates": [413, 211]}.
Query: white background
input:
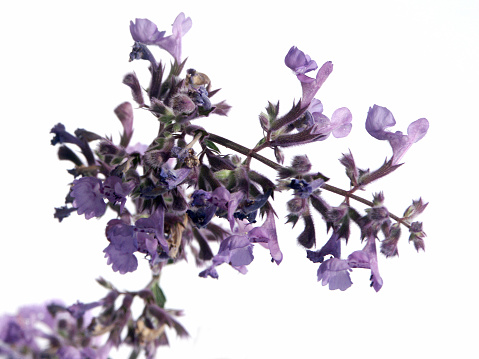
{"type": "Point", "coordinates": [64, 62]}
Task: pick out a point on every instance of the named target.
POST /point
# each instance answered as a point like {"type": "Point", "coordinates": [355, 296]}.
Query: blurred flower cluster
{"type": "Point", "coordinates": [176, 196]}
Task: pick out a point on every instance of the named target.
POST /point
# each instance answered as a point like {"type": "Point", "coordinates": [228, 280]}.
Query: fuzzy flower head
{"type": "Point", "coordinates": [379, 118]}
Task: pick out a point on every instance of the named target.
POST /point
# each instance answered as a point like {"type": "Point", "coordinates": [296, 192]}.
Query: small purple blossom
{"type": "Point", "coordinates": [335, 272]}
{"type": "Point", "coordinates": [379, 118]}
{"type": "Point", "coordinates": [88, 197]}
{"type": "Point", "coordinates": [297, 61]}
{"type": "Point", "coordinates": [367, 258]}
{"type": "Point", "coordinates": [235, 250]}
{"type": "Point", "coordinates": [301, 64]}
{"type": "Point", "coordinates": [303, 189]}
{"type": "Point", "coordinates": [266, 235]}
{"type": "Point", "coordinates": [123, 245]}
{"type": "Point", "coordinates": [145, 31]}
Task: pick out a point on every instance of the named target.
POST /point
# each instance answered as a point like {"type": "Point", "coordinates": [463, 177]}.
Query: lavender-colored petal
{"type": "Point", "coordinates": [379, 118]}
{"type": "Point", "coordinates": [335, 272]}
{"type": "Point", "coordinates": [315, 106]}
{"type": "Point", "coordinates": [123, 243]}
{"type": "Point", "coordinates": [266, 235]}
{"type": "Point", "coordinates": [341, 122]}
{"type": "Point", "coordinates": [145, 31]}
{"type": "Point", "coordinates": [310, 88]}
{"type": "Point", "coordinates": [401, 143]}
{"type": "Point", "coordinates": [417, 129]}
{"type": "Point", "coordinates": [88, 197]}
{"type": "Point", "coordinates": [172, 43]}
{"type": "Point", "coordinates": [235, 199]}
{"type": "Point", "coordinates": [297, 61]}
{"type": "Point", "coordinates": [220, 197]}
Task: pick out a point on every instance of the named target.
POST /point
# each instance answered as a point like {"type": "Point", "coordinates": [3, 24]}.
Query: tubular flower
{"type": "Point", "coordinates": [146, 32]}
{"type": "Point", "coordinates": [379, 118]}
{"type": "Point", "coordinates": [300, 63]}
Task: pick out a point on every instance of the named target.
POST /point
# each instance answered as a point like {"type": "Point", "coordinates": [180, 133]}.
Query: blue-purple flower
{"type": "Point", "coordinates": [123, 245]}
{"type": "Point", "coordinates": [299, 62]}
{"type": "Point", "coordinates": [88, 197]}
{"type": "Point", "coordinates": [379, 118]}
{"type": "Point", "coordinates": [235, 250]}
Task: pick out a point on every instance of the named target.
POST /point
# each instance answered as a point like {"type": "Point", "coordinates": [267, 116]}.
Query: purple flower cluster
{"type": "Point", "coordinates": [179, 197]}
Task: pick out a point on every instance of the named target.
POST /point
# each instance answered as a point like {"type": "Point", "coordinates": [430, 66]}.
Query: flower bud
{"type": "Point", "coordinates": [182, 103]}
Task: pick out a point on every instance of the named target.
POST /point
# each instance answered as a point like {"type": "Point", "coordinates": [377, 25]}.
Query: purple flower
{"type": "Point", "coordinates": [145, 31]}
{"type": "Point", "coordinates": [332, 247]}
{"type": "Point", "coordinates": [79, 309]}
{"type": "Point", "coordinates": [379, 118]}
{"type": "Point", "coordinates": [88, 197]}
{"type": "Point", "coordinates": [151, 233]}
{"type": "Point", "coordinates": [335, 272]}
{"type": "Point", "coordinates": [235, 250]}
{"type": "Point", "coordinates": [367, 258]}
{"type": "Point", "coordinates": [300, 63]}
{"type": "Point", "coordinates": [203, 209]}
{"type": "Point", "coordinates": [172, 43]}
{"type": "Point", "coordinates": [115, 190]}
{"type": "Point", "coordinates": [267, 237]}
{"type": "Point", "coordinates": [303, 189]}
{"type": "Point", "coordinates": [339, 125]}
{"type": "Point", "coordinates": [123, 243]}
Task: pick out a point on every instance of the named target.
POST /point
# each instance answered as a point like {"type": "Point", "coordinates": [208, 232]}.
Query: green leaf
{"type": "Point", "coordinates": [160, 298]}
{"type": "Point", "coordinates": [211, 145]}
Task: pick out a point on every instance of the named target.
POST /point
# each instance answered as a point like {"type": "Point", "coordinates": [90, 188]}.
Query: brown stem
{"type": "Point", "coordinates": [247, 152]}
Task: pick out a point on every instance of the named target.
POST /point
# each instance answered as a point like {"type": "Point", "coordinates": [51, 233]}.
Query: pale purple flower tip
{"type": "Point", "coordinates": [297, 61]}
{"type": "Point", "coordinates": [266, 235]}
{"type": "Point", "coordinates": [172, 43]}
{"type": "Point", "coordinates": [311, 86]}
{"type": "Point", "coordinates": [339, 125]}
{"type": "Point", "coordinates": [335, 272]}
{"type": "Point", "coordinates": [341, 122]}
{"type": "Point", "coordinates": [379, 118]}
{"type": "Point", "coordinates": [145, 31]}
{"type": "Point", "coordinates": [88, 197]}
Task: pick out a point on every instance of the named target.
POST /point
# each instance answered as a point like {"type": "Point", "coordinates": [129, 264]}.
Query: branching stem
{"type": "Point", "coordinates": [251, 154]}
